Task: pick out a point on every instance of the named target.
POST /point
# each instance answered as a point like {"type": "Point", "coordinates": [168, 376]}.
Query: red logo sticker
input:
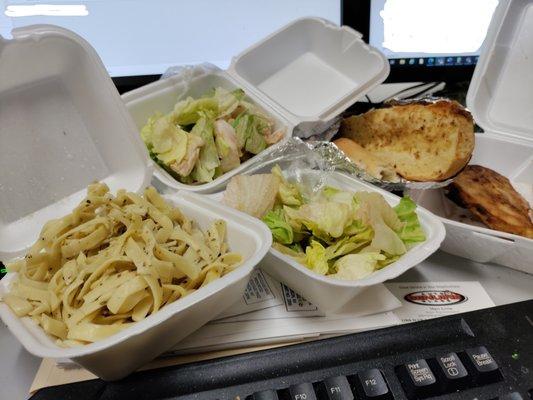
{"type": "Point", "coordinates": [435, 298]}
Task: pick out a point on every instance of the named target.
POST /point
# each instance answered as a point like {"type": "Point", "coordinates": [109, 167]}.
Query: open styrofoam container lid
{"type": "Point", "coordinates": [310, 70]}
{"type": "Point", "coordinates": [63, 125]}
{"type": "Point", "coordinates": [500, 95]}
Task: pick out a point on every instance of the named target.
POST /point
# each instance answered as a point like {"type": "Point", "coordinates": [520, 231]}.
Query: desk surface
{"type": "Point", "coordinates": [504, 285]}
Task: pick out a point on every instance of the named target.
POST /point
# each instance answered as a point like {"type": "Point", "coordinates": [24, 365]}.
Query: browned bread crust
{"type": "Point", "coordinates": [424, 141]}
{"type": "Point", "coordinates": [491, 198]}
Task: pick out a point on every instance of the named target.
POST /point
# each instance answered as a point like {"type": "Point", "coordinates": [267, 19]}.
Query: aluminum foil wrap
{"type": "Point", "coordinates": [321, 140]}
{"type": "Point", "coordinates": [295, 154]}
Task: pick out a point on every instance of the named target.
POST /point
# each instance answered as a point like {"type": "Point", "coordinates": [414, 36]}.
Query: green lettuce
{"type": "Point", "coordinates": [288, 193]}
{"type": "Point", "coordinates": [388, 260]}
{"type": "Point", "coordinates": [255, 141]}
{"type": "Point", "coordinates": [250, 131]}
{"type": "Point", "coordinates": [295, 251]}
{"type": "Point", "coordinates": [147, 130]}
{"type": "Point", "coordinates": [315, 258]}
{"type": "Point", "coordinates": [168, 143]}
{"type": "Point", "coordinates": [227, 147]}
{"type": "Point", "coordinates": [208, 160]}
{"type": "Point", "coordinates": [349, 244]}
{"type": "Point", "coordinates": [228, 101]}
{"type": "Point", "coordinates": [281, 230]}
{"type": "Point", "coordinates": [340, 196]}
{"type": "Point", "coordinates": [356, 266]}
{"type": "Point", "coordinates": [241, 126]}
{"type": "Point", "coordinates": [374, 210]}
{"type": "Point", "coordinates": [325, 220]}
{"type": "Point", "coordinates": [188, 111]}
{"type": "Point", "coordinates": [338, 233]}
{"type": "Point", "coordinates": [411, 231]}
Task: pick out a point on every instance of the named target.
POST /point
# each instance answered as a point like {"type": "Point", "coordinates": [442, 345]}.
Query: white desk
{"type": "Point", "coordinates": [504, 285]}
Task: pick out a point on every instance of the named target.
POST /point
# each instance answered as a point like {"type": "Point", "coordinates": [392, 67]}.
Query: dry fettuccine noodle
{"type": "Point", "coordinates": [112, 262]}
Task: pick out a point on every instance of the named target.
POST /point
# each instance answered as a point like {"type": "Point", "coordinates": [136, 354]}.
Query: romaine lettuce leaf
{"type": "Point", "coordinates": [356, 266]}
{"type": "Point", "coordinates": [281, 230]}
{"type": "Point", "coordinates": [226, 142]}
{"type": "Point", "coordinates": [315, 258]}
{"type": "Point", "coordinates": [147, 130]}
{"type": "Point", "coordinates": [228, 101]}
{"type": "Point", "coordinates": [385, 239]}
{"type": "Point", "coordinates": [357, 226]}
{"type": "Point", "coordinates": [293, 251]}
{"type": "Point", "coordinates": [186, 165]}
{"type": "Point", "coordinates": [242, 130]}
{"type": "Point", "coordinates": [255, 141]}
{"type": "Point", "coordinates": [168, 142]}
{"type": "Point", "coordinates": [288, 193]}
{"type": "Point", "coordinates": [188, 111]}
{"type": "Point", "coordinates": [324, 220]}
{"type": "Point", "coordinates": [208, 161]}
{"type": "Point", "coordinates": [340, 196]}
{"type": "Point", "coordinates": [375, 211]}
{"type": "Point", "coordinates": [388, 260]}
{"type": "Point", "coordinates": [411, 232]}
{"type": "Point", "coordinates": [375, 201]}
{"type": "Point", "coordinates": [249, 129]}
{"type": "Point", "coordinates": [350, 244]}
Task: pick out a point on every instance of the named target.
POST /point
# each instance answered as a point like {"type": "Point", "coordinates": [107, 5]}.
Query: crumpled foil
{"type": "Point", "coordinates": [296, 154]}
{"type": "Point", "coordinates": [337, 159]}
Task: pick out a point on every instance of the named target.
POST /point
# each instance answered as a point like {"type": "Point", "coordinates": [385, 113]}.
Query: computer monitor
{"type": "Point", "coordinates": [139, 40]}
{"type": "Point", "coordinates": [424, 40]}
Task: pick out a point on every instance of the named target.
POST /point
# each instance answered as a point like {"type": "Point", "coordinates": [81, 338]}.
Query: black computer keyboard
{"type": "Point", "coordinates": [485, 354]}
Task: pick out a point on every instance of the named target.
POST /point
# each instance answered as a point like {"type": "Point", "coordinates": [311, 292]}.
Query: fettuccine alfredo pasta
{"type": "Point", "coordinates": [112, 262]}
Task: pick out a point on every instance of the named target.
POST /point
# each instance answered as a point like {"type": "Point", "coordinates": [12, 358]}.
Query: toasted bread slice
{"type": "Point", "coordinates": [423, 141]}
{"type": "Point", "coordinates": [365, 160]}
{"type": "Point", "coordinates": [491, 198]}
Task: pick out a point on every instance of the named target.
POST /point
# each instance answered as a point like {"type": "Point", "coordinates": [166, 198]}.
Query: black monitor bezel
{"type": "Point", "coordinates": [356, 14]}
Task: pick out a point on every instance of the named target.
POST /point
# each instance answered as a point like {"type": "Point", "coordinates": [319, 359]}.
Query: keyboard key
{"type": "Point", "coordinates": [265, 395]}
{"type": "Point", "coordinates": [481, 359]}
{"type": "Point", "coordinates": [482, 365]}
{"type": "Point", "coordinates": [373, 384]}
{"type": "Point", "coordinates": [512, 396]}
{"type": "Point", "coordinates": [303, 391]}
{"type": "Point", "coordinates": [338, 388]}
{"type": "Point", "coordinates": [452, 367]}
{"type": "Point", "coordinates": [418, 380]}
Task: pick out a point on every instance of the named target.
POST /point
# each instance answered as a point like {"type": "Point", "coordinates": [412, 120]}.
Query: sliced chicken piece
{"type": "Point", "coordinates": [186, 165]}
{"type": "Point", "coordinates": [274, 137]}
{"type": "Point", "coordinates": [227, 147]}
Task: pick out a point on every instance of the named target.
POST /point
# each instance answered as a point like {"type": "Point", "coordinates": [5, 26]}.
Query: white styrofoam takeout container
{"type": "Point", "coordinates": [62, 126]}
{"type": "Point", "coordinates": [307, 72]}
{"type": "Point", "coordinates": [330, 294]}
{"type": "Point", "coordinates": [501, 100]}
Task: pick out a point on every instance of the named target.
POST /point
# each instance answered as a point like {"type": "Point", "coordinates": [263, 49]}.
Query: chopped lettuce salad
{"type": "Point", "coordinates": [201, 139]}
{"type": "Point", "coordinates": [336, 233]}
